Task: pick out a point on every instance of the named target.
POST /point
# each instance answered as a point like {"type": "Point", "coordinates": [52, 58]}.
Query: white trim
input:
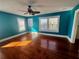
{"type": "Point", "coordinates": [5, 39]}
{"type": "Point", "coordinates": [56, 35]}
{"type": "Point", "coordinates": [69, 39]}
{"type": "Point", "coordinates": [64, 36]}
{"type": "Point", "coordinates": [21, 25]}
{"type": "Point", "coordinates": [47, 18]}
{"type": "Point", "coordinates": [74, 28]}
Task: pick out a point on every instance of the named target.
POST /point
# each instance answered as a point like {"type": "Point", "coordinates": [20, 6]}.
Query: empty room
{"type": "Point", "coordinates": [39, 29]}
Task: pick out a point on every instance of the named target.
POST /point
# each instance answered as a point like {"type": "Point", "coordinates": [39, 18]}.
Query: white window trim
{"type": "Point", "coordinates": [58, 22]}
{"type": "Point", "coordinates": [30, 25]}
{"type": "Point", "coordinates": [21, 30]}
{"type": "Point", "coordinates": [58, 16]}
{"type": "Point", "coordinates": [40, 21]}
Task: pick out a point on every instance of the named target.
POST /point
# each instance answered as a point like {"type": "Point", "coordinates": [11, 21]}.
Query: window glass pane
{"type": "Point", "coordinates": [43, 24]}
{"type": "Point", "coordinates": [49, 24]}
{"type": "Point", "coordinates": [54, 24]}
{"type": "Point", "coordinates": [30, 22]}
{"type": "Point", "coordinates": [21, 24]}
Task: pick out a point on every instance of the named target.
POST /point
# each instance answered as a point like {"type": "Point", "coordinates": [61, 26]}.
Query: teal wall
{"type": "Point", "coordinates": [70, 24]}
{"type": "Point", "coordinates": [66, 21]}
{"type": "Point", "coordinates": [8, 24]}
{"type": "Point", "coordinates": [71, 20]}
{"type": "Point", "coordinates": [65, 17]}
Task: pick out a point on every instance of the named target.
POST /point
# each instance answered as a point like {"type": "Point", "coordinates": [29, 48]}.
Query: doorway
{"type": "Point", "coordinates": [75, 29]}
{"type": "Point", "coordinates": [77, 33]}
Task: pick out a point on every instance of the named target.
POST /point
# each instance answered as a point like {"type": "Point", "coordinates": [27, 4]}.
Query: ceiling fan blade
{"type": "Point", "coordinates": [36, 12]}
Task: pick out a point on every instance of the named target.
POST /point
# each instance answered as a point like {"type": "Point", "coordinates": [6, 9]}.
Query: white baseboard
{"type": "Point", "coordinates": [8, 38]}
{"type": "Point", "coordinates": [70, 40]}
{"type": "Point", "coordinates": [56, 35]}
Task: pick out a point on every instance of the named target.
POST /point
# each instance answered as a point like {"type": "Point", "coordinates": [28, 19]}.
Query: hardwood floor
{"type": "Point", "coordinates": [39, 47]}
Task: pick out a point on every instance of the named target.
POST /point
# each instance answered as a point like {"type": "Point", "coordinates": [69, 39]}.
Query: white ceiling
{"type": "Point", "coordinates": [44, 6]}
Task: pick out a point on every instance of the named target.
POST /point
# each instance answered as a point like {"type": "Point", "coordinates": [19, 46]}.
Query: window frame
{"type": "Point", "coordinates": [40, 22]}
{"type": "Point", "coordinates": [30, 25]}
{"type": "Point", "coordinates": [19, 25]}
{"type": "Point", "coordinates": [48, 23]}
{"type": "Point", "coordinates": [58, 23]}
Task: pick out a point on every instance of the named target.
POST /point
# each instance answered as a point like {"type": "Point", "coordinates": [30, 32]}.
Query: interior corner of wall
{"type": "Point", "coordinates": [71, 40]}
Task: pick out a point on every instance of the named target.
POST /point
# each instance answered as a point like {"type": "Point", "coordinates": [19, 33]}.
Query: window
{"type": "Point", "coordinates": [43, 24]}
{"type": "Point", "coordinates": [54, 24]}
{"type": "Point", "coordinates": [21, 24]}
{"type": "Point", "coordinates": [30, 22]}
{"type": "Point", "coordinates": [49, 24]}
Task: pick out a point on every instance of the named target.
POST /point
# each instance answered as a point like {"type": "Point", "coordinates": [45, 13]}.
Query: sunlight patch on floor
{"type": "Point", "coordinates": [18, 43]}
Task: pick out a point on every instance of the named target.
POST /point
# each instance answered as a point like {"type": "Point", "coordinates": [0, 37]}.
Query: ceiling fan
{"type": "Point", "coordinates": [30, 10]}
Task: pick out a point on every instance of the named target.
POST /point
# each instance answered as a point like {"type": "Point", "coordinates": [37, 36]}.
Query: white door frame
{"type": "Point", "coordinates": [74, 29]}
